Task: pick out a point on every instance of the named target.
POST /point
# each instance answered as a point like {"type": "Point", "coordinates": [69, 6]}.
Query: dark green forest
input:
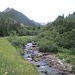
{"type": "Point", "coordinates": [59, 33]}
{"type": "Point", "coordinates": [8, 26]}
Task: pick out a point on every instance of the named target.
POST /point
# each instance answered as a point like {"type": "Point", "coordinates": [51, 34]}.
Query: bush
{"type": "Point", "coordinates": [68, 60]}
{"type": "Point", "coordinates": [18, 43]}
{"type": "Point", "coordinates": [73, 59]}
{"type": "Point", "coordinates": [72, 50]}
{"type": "Point", "coordinates": [47, 46]}
{"type": "Point", "coordinates": [64, 50]}
{"type": "Point", "coordinates": [73, 68]}
{"type": "Point", "coordinates": [62, 55]}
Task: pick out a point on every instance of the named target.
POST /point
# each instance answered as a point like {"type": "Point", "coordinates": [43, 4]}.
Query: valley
{"type": "Point", "coordinates": [55, 52]}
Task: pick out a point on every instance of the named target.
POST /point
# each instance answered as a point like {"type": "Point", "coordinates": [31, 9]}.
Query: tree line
{"type": "Point", "coordinates": [8, 26]}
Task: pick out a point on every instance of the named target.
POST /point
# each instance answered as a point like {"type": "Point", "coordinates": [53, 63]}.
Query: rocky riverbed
{"type": "Point", "coordinates": [47, 63]}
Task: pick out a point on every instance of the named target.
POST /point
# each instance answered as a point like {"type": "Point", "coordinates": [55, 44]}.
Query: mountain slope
{"type": "Point", "coordinates": [18, 16]}
{"type": "Point", "coordinates": [11, 63]}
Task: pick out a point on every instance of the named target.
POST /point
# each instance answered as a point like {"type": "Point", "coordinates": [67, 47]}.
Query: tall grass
{"type": "Point", "coordinates": [11, 62]}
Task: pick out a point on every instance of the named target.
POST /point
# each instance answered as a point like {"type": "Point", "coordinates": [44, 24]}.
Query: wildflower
{"type": "Point", "coordinates": [5, 73]}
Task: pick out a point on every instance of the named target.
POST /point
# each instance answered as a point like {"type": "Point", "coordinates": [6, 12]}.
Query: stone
{"type": "Point", "coordinates": [37, 65]}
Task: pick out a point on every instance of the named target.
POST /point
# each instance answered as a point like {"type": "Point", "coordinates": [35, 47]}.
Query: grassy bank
{"type": "Point", "coordinates": [11, 62]}
{"type": "Point", "coordinates": [68, 56]}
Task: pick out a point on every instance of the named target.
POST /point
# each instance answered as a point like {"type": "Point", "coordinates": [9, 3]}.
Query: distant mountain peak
{"type": "Point", "coordinates": [8, 9]}
{"type": "Point", "coordinates": [18, 16]}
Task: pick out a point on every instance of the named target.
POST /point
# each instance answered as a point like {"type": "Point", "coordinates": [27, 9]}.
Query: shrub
{"type": "Point", "coordinates": [68, 60]}
{"type": "Point", "coordinates": [47, 46]}
{"type": "Point", "coordinates": [73, 68]}
{"type": "Point", "coordinates": [18, 43]}
{"type": "Point", "coordinates": [64, 50]}
{"type": "Point", "coordinates": [62, 55]}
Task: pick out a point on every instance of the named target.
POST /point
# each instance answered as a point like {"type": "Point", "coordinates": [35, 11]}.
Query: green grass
{"type": "Point", "coordinates": [11, 63]}
{"type": "Point", "coordinates": [68, 56]}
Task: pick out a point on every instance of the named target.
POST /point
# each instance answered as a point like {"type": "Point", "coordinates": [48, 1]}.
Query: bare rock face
{"type": "Point", "coordinates": [7, 9]}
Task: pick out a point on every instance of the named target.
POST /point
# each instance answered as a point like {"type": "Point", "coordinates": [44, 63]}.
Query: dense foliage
{"type": "Point", "coordinates": [59, 33]}
{"type": "Point", "coordinates": [59, 37]}
{"type": "Point", "coordinates": [19, 42]}
{"type": "Point", "coordinates": [8, 25]}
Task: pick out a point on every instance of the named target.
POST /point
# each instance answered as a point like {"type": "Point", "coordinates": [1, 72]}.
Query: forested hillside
{"type": "Point", "coordinates": [10, 26]}
{"type": "Point", "coordinates": [59, 37]}
{"type": "Point", "coordinates": [61, 32]}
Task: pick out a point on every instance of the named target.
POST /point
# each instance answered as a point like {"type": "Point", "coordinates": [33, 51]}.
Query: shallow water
{"type": "Point", "coordinates": [43, 67]}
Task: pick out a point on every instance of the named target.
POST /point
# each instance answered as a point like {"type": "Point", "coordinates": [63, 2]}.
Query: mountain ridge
{"type": "Point", "coordinates": [17, 16]}
{"type": "Point", "coordinates": [8, 9]}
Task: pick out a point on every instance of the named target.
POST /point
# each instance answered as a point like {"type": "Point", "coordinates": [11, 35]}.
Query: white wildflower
{"type": "Point", "coordinates": [5, 73]}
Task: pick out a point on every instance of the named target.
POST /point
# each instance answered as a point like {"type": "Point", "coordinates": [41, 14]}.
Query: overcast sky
{"type": "Point", "coordinates": [40, 10]}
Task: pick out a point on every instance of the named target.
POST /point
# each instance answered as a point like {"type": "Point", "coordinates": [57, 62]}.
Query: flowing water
{"type": "Point", "coordinates": [43, 67]}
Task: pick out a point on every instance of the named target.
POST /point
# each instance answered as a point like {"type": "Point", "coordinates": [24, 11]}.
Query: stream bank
{"type": "Point", "coordinates": [47, 63]}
